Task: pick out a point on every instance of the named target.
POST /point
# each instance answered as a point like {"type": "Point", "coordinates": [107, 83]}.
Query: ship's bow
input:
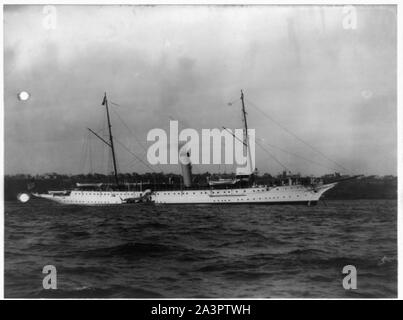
{"type": "Point", "coordinates": [320, 190]}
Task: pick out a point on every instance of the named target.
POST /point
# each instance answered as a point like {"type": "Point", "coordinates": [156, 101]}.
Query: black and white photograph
{"type": "Point", "coordinates": [220, 151]}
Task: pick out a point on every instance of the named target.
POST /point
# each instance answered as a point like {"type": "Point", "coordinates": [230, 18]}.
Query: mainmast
{"type": "Point", "coordinates": [105, 103]}
{"type": "Point", "coordinates": [246, 136]}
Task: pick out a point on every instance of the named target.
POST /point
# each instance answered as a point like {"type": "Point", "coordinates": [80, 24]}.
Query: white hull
{"type": "Point", "coordinates": [270, 195]}
{"type": "Point", "coordinates": [93, 198]}
{"type": "Point", "coordinates": [264, 195]}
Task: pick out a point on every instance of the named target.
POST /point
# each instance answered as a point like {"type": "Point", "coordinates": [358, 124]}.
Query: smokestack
{"type": "Point", "coordinates": [186, 166]}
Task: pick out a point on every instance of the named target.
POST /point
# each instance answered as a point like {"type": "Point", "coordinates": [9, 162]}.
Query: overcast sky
{"type": "Point", "coordinates": [334, 88]}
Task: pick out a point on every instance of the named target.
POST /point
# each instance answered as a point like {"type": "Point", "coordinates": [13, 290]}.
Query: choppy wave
{"type": "Point", "coordinates": [201, 251]}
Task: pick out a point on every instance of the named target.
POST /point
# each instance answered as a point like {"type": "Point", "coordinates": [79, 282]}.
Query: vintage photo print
{"type": "Point", "coordinates": [200, 151]}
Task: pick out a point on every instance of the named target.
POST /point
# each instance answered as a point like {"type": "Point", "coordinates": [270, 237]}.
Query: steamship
{"type": "Point", "coordinates": [242, 189]}
{"type": "Point", "coordinates": [93, 194]}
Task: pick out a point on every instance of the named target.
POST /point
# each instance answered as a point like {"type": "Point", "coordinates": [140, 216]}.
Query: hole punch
{"type": "Point", "coordinates": [23, 96]}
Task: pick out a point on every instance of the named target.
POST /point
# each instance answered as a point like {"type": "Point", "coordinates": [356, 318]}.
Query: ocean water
{"type": "Point", "coordinates": [199, 251]}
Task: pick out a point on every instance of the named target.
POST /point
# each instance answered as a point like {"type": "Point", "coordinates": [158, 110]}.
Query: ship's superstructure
{"type": "Point", "coordinates": [242, 189]}
{"type": "Point", "coordinates": [294, 194]}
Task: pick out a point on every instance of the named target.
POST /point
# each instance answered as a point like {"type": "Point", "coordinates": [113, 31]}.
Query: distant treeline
{"type": "Point", "coordinates": [369, 187]}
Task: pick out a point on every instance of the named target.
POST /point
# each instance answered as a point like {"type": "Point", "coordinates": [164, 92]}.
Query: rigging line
{"type": "Point", "coordinates": [134, 155]}
{"type": "Point", "coordinates": [295, 136]}
{"type": "Point", "coordinates": [90, 145]}
{"type": "Point", "coordinates": [100, 138]}
{"type": "Point", "coordinates": [134, 135]}
{"type": "Point", "coordinates": [127, 127]}
{"type": "Point", "coordinates": [90, 153]}
{"type": "Point", "coordinates": [297, 155]}
{"type": "Point", "coordinates": [86, 152]}
{"type": "Point", "coordinates": [273, 157]}
{"type": "Point", "coordinates": [230, 132]}
{"type": "Point", "coordinates": [82, 155]}
{"type": "Point", "coordinates": [101, 132]}
{"type": "Point", "coordinates": [130, 163]}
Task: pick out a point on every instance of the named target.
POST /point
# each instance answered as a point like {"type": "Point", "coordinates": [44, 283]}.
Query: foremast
{"type": "Point", "coordinates": [246, 136]}
{"type": "Point", "coordinates": [115, 171]}
{"type": "Point", "coordinates": [110, 143]}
